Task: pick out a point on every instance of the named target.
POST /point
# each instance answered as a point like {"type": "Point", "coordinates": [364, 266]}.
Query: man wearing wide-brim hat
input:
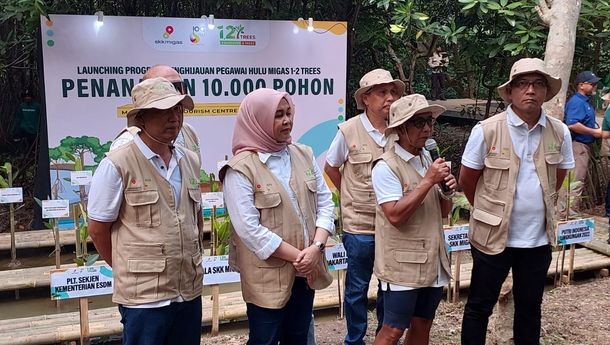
{"type": "Point", "coordinates": [513, 165]}
{"type": "Point", "coordinates": [360, 141]}
{"type": "Point", "coordinates": [579, 115]}
{"type": "Point", "coordinates": [144, 210]}
{"type": "Point", "coordinates": [411, 260]}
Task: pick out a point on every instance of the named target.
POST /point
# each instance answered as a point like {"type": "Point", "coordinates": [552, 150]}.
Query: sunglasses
{"type": "Point", "coordinates": [180, 86]}
{"type": "Point", "coordinates": [420, 122]}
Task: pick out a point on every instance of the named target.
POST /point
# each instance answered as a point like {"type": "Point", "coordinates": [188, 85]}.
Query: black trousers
{"type": "Point", "coordinates": [438, 84]}
{"type": "Point", "coordinates": [530, 267]}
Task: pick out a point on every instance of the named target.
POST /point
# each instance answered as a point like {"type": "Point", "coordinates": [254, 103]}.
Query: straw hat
{"type": "Point", "coordinates": [408, 106]}
{"type": "Point", "coordinates": [376, 77]}
{"type": "Point", "coordinates": [528, 65]}
{"type": "Point", "coordinates": [157, 93]}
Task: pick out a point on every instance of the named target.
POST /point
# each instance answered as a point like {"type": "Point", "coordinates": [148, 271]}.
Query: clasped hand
{"type": "Point", "coordinates": [307, 263]}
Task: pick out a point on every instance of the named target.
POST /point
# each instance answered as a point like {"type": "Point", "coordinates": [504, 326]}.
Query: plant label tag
{"type": "Point", "coordinates": [209, 200]}
{"type": "Point", "coordinates": [80, 178]}
{"type": "Point", "coordinates": [55, 208]}
{"type": "Point", "coordinates": [11, 195]}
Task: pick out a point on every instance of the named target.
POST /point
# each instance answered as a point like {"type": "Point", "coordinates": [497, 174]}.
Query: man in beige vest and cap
{"type": "Point", "coordinates": [187, 137]}
{"type": "Point", "coordinates": [360, 141]}
{"type": "Point", "coordinates": [512, 167]}
{"type": "Point", "coordinates": [411, 260]}
{"type": "Point", "coordinates": [144, 210]}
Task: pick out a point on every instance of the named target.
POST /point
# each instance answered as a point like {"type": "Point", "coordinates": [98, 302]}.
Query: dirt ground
{"type": "Point", "coordinates": [576, 314]}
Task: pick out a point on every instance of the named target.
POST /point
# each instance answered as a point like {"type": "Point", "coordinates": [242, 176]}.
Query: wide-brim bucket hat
{"type": "Point", "coordinates": [531, 65]}
{"type": "Point", "coordinates": [376, 77]}
{"type": "Point", "coordinates": [408, 106]}
{"type": "Point", "coordinates": [157, 93]}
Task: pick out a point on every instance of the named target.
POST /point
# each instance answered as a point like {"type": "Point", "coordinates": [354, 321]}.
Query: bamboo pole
{"type": "Point", "coordinates": [449, 283]}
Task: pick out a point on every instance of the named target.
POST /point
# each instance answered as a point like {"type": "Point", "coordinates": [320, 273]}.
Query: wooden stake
{"type": "Point", "coordinates": [571, 264]}
{"type": "Point", "coordinates": [449, 284]}
{"type": "Point", "coordinates": [340, 293]}
{"type": "Point", "coordinates": [563, 257]}
{"type": "Point", "coordinates": [215, 288]}
{"type": "Point", "coordinates": [84, 320]}
{"type": "Point", "coordinates": [456, 285]}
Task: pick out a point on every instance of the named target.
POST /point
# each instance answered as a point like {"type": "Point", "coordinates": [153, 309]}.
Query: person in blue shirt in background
{"type": "Point", "coordinates": [579, 116]}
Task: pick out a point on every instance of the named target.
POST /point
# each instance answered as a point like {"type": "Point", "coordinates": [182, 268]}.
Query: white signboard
{"type": "Point", "coordinates": [336, 256]}
{"type": "Point", "coordinates": [90, 69]}
{"type": "Point", "coordinates": [216, 270]}
{"type": "Point", "coordinates": [81, 282]}
{"type": "Point", "coordinates": [211, 199]}
{"type": "Point", "coordinates": [81, 178]}
{"type": "Point", "coordinates": [11, 195]}
{"type": "Point", "coordinates": [575, 231]}
{"type": "Point", "coordinates": [55, 208]}
{"type": "Point", "coordinates": [456, 238]}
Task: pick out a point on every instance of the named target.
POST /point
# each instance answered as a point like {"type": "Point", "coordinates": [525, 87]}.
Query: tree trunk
{"type": "Point", "coordinates": [562, 17]}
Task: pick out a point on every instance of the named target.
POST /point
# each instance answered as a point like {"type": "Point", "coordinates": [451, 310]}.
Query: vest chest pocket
{"type": "Point", "coordinates": [145, 206]}
{"type": "Point", "coordinates": [195, 196]}
{"type": "Point", "coordinates": [495, 175]}
{"type": "Point", "coordinates": [361, 163]}
{"type": "Point", "coordinates": [267, 204]}
{"type": "Point", "coordinates": [552, 161]}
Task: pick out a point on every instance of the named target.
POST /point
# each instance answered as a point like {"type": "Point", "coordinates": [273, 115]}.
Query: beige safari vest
{"type": "Point", "coordinates": [493, 200]}
{"type": "Point", "coordinates": [409, 254]}
{"type": "Point", "coordinates": [357, 195]}
{"type": "Point", "coordinates": [156, 248]}
{"type": "Point", "coordinates": [268, 283]}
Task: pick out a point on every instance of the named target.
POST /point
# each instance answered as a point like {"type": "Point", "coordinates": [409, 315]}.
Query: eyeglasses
{"type": "Point", "coordinates": [420, 122]}
{"type": "Point", "coordinates": [523, 84]}
{"type": "Point", "coordinates": [180, 86]}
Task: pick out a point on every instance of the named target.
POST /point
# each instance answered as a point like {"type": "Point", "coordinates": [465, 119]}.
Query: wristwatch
{"type": "Point", "coordinates": [320, 245]}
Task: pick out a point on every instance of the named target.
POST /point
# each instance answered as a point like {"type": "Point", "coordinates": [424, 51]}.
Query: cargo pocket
{"type": "Point", "coordinates": [267, 204]}
{"type": "Point", "coordinates": [145, 265]}
{"type": "Point", "coordinates": [145, 207]}
{"type": "Point", "coordinates": [361, 163]}
{"type": "Point", "coordinates": [412, 264]}
{"type": "Point", "coordinates": [198, 268]}
{"type": "Point", "coordinates": [365, 206]}
{"type": "Point", "coordinates": [552, 161]}
{"type": "Point", "coordinates": [488, 219]}
{"type": "Point", "coordinates": [495, 174]}
{"type": "Point", "coordinates": [271, 274]}
{"type": "Point", "coordinates": [312, 197]}
{"type": "Point", "coordinates": [195, 196]}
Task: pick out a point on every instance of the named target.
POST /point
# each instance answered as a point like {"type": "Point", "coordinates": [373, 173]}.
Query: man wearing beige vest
{"type": "Point", "coordinates": [411, 260]}
{"type": "Point", "coordinates": [360, 141]}
{"type": "Point", "coordinates": [512, 167]}
{"type": "Point", "coordinates": [144, 212]}
{"type": "Point", "coordinates": [187, 137]}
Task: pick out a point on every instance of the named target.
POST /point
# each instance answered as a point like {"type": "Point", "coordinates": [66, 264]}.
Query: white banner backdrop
{"type": "Point", "coordinates": [90, 67]}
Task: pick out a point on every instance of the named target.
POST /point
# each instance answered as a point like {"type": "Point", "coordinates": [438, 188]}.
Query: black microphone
{"type": "Point", "coordinates": [433, 149]}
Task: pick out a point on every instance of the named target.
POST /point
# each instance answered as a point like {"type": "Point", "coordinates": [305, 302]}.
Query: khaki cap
{"type": "Point", "coordinates": [528, 65]}
{"type": "Point", "coordinates": [157, 93]}
{"type": "Point", "coordinates": [376, 77]}
{"type": "Point", "coordinates": [408, 106]}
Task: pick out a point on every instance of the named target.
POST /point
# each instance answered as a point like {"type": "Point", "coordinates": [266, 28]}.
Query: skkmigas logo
{"type": "Point", "coordinates": [235, 35]}
{"type": "Point", "coordinates": [169, 30]}
{"type": "Point", "coordinates": [196, 34]}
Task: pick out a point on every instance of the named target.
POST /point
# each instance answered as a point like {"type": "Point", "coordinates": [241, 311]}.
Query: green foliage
{"type": "Point", "coordinates": [460, 203]}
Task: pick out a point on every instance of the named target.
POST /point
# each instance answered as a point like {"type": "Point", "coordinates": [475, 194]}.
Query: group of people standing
{"type": "Point", "coordinates": [145, 213]}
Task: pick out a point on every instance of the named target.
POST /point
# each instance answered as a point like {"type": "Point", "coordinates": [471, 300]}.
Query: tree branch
{"type": "Point", "coordinates": [544, 11]}
{"type": "Point", "coordinates": [398, 62]}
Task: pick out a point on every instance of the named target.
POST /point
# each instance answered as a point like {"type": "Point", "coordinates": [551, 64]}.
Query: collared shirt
{"type": "Point", "coordinates": [578, 109]}
{"type": "Point", "coordinates": [239, 199]}
{"type": "Point", "coordinates": [126, 137]}
{"type": "Point", "coordinates": [527, 220]}
{"type": "Point", "coordinates": [338, 150]}
{"type": "Point", "coordinates": [388, 188]}
{"type": "Point", "coordinates": [106, 193]}
{"type": "Point", "coordinates": [437, 60]}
